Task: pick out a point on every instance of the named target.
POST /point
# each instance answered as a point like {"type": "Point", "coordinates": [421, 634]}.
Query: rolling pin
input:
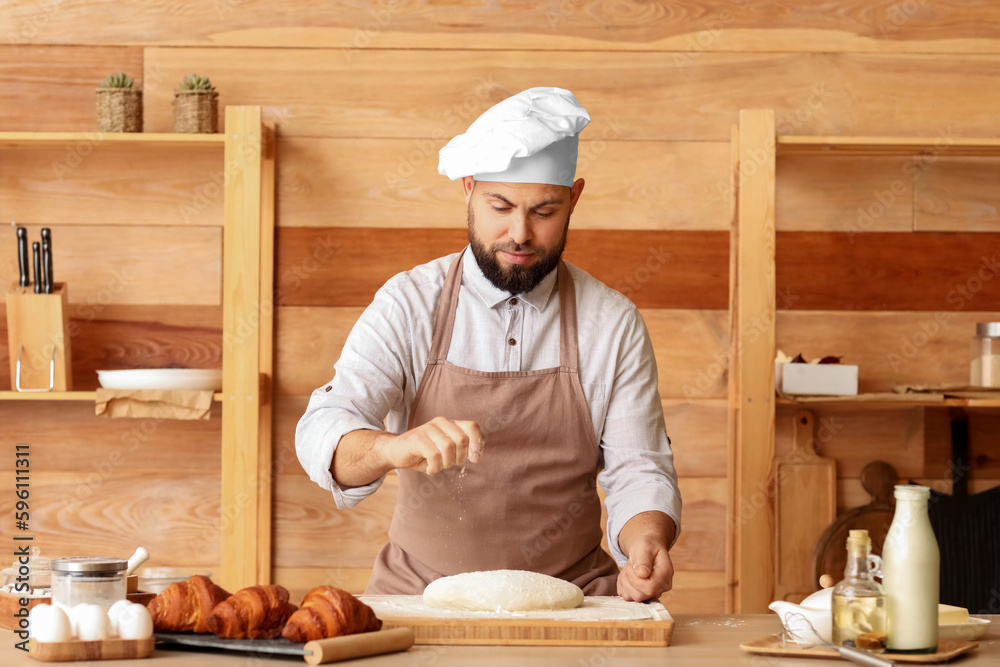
{"type": "Point", "coordinates": [321, 651]}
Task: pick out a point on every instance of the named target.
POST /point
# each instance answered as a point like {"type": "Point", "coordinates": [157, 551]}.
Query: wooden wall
{"type": "Point", "coordinates": [364, 94]}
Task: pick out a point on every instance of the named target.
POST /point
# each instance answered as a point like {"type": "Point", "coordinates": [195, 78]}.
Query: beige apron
{"type": "Point", "coordinates": [531, 503]}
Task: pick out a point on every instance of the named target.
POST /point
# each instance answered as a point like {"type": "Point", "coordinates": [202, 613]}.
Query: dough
{"type": "Point", "coordinates": [502, 590]}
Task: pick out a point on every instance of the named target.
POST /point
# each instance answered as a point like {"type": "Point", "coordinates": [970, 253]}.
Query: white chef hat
{"type": "Point", "coordinates": [531, 137]}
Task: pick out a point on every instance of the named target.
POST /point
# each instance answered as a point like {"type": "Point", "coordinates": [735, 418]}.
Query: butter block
{"type": "Point", "coordinates": [948, 615]}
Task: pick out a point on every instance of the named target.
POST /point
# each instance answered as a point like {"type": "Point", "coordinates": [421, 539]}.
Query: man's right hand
{"type": "Point", "coordinates": [435, 446]}
{"type": "Point", "coordinates": [364, 456]}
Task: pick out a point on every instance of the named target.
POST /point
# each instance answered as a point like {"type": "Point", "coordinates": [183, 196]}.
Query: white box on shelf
{"type": "Point", "coordinates": [816, 379]}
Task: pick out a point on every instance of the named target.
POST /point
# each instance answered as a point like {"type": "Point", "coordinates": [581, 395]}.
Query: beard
{"type": "Point", "coordinates": [514, 278]}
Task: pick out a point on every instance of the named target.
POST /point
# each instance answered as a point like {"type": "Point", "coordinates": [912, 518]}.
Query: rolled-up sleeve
{"type": "Point", "coordinates": [638, 473]}
{"type": "Point", "coordinates": [369, 382]}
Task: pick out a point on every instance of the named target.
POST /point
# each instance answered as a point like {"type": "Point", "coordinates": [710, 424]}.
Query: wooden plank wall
{"type": "Point", "coordinates": [364, 94]}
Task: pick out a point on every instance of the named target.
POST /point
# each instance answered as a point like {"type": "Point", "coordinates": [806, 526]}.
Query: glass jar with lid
{"type": "Point", "coordinates": [92, 579]}
{"type": "Point", "coordinates": [986, 355]}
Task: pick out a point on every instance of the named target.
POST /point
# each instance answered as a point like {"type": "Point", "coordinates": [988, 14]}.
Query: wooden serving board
{"type": "Point", "coordinates": [774, 645]}
{"type": "Point", "coordinates": [599, 621]}
{"type": "Point", "coordinates": [106, 649]}
{"type": "Point", "coordinates": [805, 499]}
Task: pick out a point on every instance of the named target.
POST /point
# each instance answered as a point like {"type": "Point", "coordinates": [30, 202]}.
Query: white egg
{"type": "Point", "coordinates": [90, 622]}
{"type": "Point", "coordinates": [48, 623]}
{"type": "Point", "coordinates": [134, 622]}
{"type": "Point", "coordinates": [115, 612]}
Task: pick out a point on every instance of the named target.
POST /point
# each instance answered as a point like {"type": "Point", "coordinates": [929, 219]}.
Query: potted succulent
{"type": "Point", "coordinates": [196, 106]}
{"type": "Point", "coordinates": [119, 105]}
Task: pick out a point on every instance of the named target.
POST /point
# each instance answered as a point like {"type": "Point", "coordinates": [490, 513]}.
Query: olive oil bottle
{"type": "Point", "coordinates": [859, 603]}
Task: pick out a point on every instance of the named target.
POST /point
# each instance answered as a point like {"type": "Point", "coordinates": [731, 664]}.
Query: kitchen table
{"type": "Point", "coordinates": [705, 640]}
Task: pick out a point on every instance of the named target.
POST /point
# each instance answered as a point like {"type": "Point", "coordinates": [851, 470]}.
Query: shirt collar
{"type": "Point", "coordinates": [492, 296]}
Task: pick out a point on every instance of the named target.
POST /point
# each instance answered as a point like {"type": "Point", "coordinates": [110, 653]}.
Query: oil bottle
{"type": "Point", "coordinates": [859, 602]}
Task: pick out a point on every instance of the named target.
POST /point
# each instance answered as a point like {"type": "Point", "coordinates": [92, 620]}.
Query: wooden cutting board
{"type": "Point", "coordinates": [805, 493]}
{"type": "Point", "coordinates": [599, 621]}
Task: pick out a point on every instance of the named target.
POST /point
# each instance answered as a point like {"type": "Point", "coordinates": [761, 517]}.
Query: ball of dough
{"type": "Point", "coordinates": [502, 590]}
{"type": "Point", "coordinates": [49, 623]}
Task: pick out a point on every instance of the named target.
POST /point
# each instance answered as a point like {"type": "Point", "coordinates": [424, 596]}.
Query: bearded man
{"type": "Point", "coordinates": [470, 378]}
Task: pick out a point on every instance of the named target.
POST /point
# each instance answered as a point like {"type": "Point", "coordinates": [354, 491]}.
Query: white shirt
{"type": "Point", "coordinates": [385, 355]}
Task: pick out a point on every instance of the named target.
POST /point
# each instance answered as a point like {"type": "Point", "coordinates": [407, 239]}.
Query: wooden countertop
{"type": "Point", "coordinates": [709, 640]}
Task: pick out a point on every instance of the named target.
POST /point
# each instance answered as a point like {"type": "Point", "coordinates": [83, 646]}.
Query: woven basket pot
{"type": "Point", "coordinates": [196, 111]}
{"type": "Point", "coordinates": [119, 110]}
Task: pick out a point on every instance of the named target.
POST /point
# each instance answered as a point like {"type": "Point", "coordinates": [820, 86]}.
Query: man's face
{"type": "Point", "coordinates": [517, 231]}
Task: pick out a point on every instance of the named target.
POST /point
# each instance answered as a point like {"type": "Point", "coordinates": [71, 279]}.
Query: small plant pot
{"type": "Point", "coordinates": [196, 111]}
{"type": "Point", "coordinates": [119, 110]}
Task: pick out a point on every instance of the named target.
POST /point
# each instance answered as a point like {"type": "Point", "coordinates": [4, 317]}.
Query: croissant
{"type": "Point", "coordinates": [186, 605]}
{"type": "Point", "coordinates": [255, 612]}
{"type": "Point", "coordinates": [327, 612]}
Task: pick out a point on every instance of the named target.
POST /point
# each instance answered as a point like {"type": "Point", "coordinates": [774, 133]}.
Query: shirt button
{"type": "Point", "coordinates": [511, 341]}
{"type": "Point", "coordinates": [513, 301]}
{"type": "Point", "coordinates": [328, 389]}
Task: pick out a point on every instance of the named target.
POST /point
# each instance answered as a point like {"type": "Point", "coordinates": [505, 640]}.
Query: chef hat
{"type": "Point", "coordinates": [531, 137]}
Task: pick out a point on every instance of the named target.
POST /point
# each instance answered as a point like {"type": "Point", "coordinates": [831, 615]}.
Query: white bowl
{"type": "Point", "coordinates": [971, 631]}
{"type": "Point", "coordinates": [162, 378]}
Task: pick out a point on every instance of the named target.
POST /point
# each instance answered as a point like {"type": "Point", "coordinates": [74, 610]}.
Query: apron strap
{"type": "Point", "coordinates": [568, 348]}
{"type": "Point", "coordinates": [447, 306]}
{"type": "Point", "coordinates": [441, 338]}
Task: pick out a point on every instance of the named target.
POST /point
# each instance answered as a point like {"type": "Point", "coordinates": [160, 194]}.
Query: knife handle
{"type": "Point", "coordinates": [46, 267]}
{"type": "Point", "coordinates": [22, 257]}
{"type": "Point", "coordinates": [321, 651]}
{"type": "Point", "coordinates": [47, 260]}
{"type": "Point", "coordinates": [36, 256]}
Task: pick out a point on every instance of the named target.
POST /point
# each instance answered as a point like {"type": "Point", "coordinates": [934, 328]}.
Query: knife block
{"type": "Point", "coordinates": [38, 329]}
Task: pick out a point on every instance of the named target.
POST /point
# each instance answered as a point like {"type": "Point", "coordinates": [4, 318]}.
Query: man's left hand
{"type": "Point", "coordinates": [649, 572]}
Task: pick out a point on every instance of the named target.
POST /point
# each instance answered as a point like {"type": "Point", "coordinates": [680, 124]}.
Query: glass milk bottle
{"type": "Point", "coordinates": [911, 572]}
{"type": "Point", "coordinates": [859, 600]}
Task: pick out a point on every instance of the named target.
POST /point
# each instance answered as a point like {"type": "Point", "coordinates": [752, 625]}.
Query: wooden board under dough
{"type": "Point", "coordinates": [599, 621]}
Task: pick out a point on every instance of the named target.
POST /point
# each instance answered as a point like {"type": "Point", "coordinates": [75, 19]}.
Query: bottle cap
{"type": "Point", "coordinates": [988, 329]}
{"type": "Point", "coordinates": [858, 538]}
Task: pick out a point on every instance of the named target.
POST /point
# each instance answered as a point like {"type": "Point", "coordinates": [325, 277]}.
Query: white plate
{"type": "Point", "coordinates": [971, 631]}
{"type": "Point", "coordinates": [162, 378]}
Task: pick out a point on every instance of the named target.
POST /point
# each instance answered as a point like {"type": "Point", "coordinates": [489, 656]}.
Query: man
{"type": "Point", "coordinates": [470, 377]}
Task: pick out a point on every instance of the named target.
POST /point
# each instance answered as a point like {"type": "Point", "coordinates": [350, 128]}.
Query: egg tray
{"type": "Point", "coordinates": [103, 649]}
{"type": "Point", "coordinates": [10, 605]}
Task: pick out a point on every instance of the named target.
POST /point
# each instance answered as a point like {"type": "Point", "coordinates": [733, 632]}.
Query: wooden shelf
{"type": "Point", "coordinates": [753, 561]}
{"type": "Point", "coordinates": [246, 151]}
{"type": "Point", "coordinates": [29, 139]}
{"type": "Point", "coordinates": [856, 403]}
{"type": "Point", "coordinates": [62, 396]}
{"type": "Point", "coordinates": [47, 396]}
{"type": "Point", "coordinates": [880, 146]}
